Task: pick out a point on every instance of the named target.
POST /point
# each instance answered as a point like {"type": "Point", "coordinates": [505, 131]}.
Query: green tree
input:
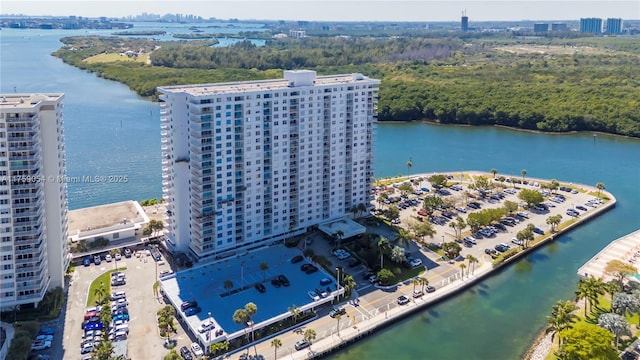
{"type": "Point", "coordinates": [424, 282]}
{"type": "Point", "coordinates": [524, 173]}
{"type": "Point", "coordinates": [172, 355]}
{"type": "Point", "coordinates": [430, 203]}
{"type": "Point", "coordinates": [554, 185]}
{"type": "Point", "coordinates": [219, 348]}
{"type": "Point", "coordinates": [561, 318]}
{"type": "Point", "coordinates": [554, 220]}
{"type": "Point", "coordinates": [600, 186]}
{"type": "Point", "coordinates": [264, 267]}
{"type": "Point", "coordinates": [348, 283]}
{"type": "Point", "coordinates": [295, 312]}
{"type": "Point", "coordinates": [589, 289]}
{"type": "Point", "coordinates": [619, 269]}
{"type": "Point", "coordinates": [276, 344]}
{"type": "Point", "coordinates": [382, 198]}
{"type": "Point", "coordinates": [612, 287]}
{"type": "Point", "coordinates": [113, 253]}
{"type": "Point", "coordinates": [361, 208]}
{"type": "Point", "coordinates": [103, 351]}
{"type": "Point", "coordinates": [405, 188]}
{"type": "Point", "coordinates": [309, 335]}
{"type": "Point", "coordinates": [451, 249]}
{"type": "Point", "coordinates": [409, 165]}
{"type": "Point", "coordinates": [398, 254]}
{"type": "Point", "coordinates": [494, 172]}
{"type": "Point", "coordinates": [616, 324]}
{"type": "Point", "coordinates": [337, 317]}
{"type": "Point", "coordinates": [393, 212]}
{"type": "Point", "coordinates": [437, 181]}
{"type": "Point", "coordinates": [510, 206]}
{"type": "Point", "coordinates": [624, 304]}
{"type": "Point", "coordinates": [462, 267]}
{"type": "Point", "coordinates": [531, 197]}
{"type": "Point", "coordinates": [101, 294]}
{"type": "Point", "coordinates": [384, 246]}
{"type": "Point", "coordinates": [385, 276]}
{"type": "Point", "coordinates": [458, 225]}
{"type": "Point", "coordinates": [586, 341]}
{"type": "Point", "coordinates": [472, 263]}
{"type": "Point", "coordinates": [404, 237]}
{"type": "Point", "coordinates": [422, 229]}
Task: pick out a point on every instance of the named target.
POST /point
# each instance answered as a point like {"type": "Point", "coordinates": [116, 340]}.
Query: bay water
{"type": "Point", "coordinates": [109, 130]}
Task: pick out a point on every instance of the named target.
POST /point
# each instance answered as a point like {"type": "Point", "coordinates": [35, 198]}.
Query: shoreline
{"type": "Point", "coordinates": [531, 131]}
{"type": "Point", "coordinates": [328, 345]}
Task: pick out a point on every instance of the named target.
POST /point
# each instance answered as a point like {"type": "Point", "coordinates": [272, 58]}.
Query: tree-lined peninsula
{"type": "Point", "coordinates": [545, 84]}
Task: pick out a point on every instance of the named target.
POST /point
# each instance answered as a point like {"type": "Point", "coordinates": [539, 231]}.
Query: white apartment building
{"type": "Point", "coordinates": [33, 199]}
{"type": "Point", "coordinates": [250, 163]}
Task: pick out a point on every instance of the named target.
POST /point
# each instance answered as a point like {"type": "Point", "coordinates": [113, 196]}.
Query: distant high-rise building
{"type": "Point", "coordinates": [540, 27]}
{"type": "Point", "coordinates": [246, 164]}
{"type": "Point", "coordinates": [614, 26]}
{"type": "Point", "coordinates": [591, 25]}
{"type": "Point", "coordinates": [33, 198]}
{"type": "Point", "coordinates": [559, 27]}
{"type": "Point", "coordinates": [464, 22]}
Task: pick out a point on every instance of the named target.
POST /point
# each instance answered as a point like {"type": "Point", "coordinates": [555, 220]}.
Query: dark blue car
{"type": "Point", "coordinates": [192, 311]}
{"type": "Point", "coordinates": [86, 261]}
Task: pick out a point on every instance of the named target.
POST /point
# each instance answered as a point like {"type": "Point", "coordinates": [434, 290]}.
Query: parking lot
{"type": "Point", "coordinates": [143, 339]}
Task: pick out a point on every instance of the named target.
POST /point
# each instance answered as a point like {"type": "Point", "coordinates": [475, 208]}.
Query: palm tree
{"type": "Point", "coordinates": [309, 335]}
{"type": "Point", "coordinates": [494, 172]}
{"type": "Point", "coordinates": [409, 165]}
{"type": "Point", "coordinates": [264, 267]}
{"type": "Point", "coordinates": [554, 185]}
{"type": "Point", "coordinates": [589, 289]}
{"type": "Point", "coordinates": [113, 253]}
{"type": "Point", "coordinates": [612, 287]}
{"type": "Point", "coordinates": [404, 238]}
{"type": "Point", "coordinates": [337, 237]}
{"type": "Point", "coordinates": [562, 318]}
{"type": "Point", "coordinates": [240, 317]}
{"type": "Point", "coordinates": [382, 197]}
{"type": "Point", "coordinates": [295, 312]}
{"type": "Point", "coordinates": [100, 294]}
{"type": "Point", "coordinates": [462, 267]}
{"type": "Point", "coordinates": [251, 309]}
{"type": "Point", "coordinates": [415, 281]}
{"type": "Point", "coordinates": [524, 173]}
{"type": "Point", "coordinates": [472, 262]}
{"type": "Point", "coordinates": [348, 283]}
{"type": "Point", "coordinates": [398, 254]}
{"type": "Point", "coordinates": [354, 210]}
{"type": "Point", "coordinates": [600, 187]}
{"type": "Point", "coordinates": [362, 208]}
{"type": "Point", "coordinates": [275, 344]}
{"type": "Point", "coordinates": [228, 284]}
{"type": "Point", "coordinates": [424, 282]}
{"type": "Point", "coordinates": [337, 317]}
{"type": "Point", "coordinates": [383, 247]}
{"type": "Point", "coordinates": [616, 324]}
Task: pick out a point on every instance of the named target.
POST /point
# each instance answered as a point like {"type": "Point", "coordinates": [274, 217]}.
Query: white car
{"type": "Point", "coordinates": [523, 214]}
{"type": "Point", "coordinates": [416, 262]}
{"type": "Point", "coordinates": [40, 345]}
{"type": "Point", "coordinates": [206, 326]}
{"type": "Point", "coordinates": [516, 241]}
{"type": "Point", "coordinates": [108, 258]}
{"type": "Point", "coordinates": [164, 273]}
{"type": "Point", "coordinates": [118, 257]}
{"type": "Point", "coordinates": [197, 350]}
{"type": "Point", "coordinates": [313, 295]}
{"type": "Point", "coordinates": [44, 338]}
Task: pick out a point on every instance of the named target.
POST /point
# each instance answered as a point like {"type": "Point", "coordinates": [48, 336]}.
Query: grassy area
{"type": "Point", "coordinates": [113, 57]}
{"type": "Point", "coordinates": [102, 280]}
{"type": "Point", "coordinates": [407, 274]}
{"type": "Point", "coordinates": [391, 181]}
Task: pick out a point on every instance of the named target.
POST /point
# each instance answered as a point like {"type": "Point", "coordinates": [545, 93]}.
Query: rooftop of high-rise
{"type": "Point", "coordinates": [25, 101]}
{"type": "Point", "coordinates": [292, 79]}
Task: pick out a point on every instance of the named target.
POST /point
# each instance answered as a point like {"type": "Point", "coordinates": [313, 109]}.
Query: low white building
{"type": "Point", "coordinates": [117, 221]}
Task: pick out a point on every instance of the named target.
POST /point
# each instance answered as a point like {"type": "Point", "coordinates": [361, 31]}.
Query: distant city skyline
{"type": "Point", "coordinates": [321, 10]}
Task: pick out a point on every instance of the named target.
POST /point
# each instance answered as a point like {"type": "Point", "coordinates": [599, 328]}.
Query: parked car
{"type": "Point", "coordinates": [537, 230]}
{"type": "Point", "coordinates": [276, 283]}
{"type": "Point", "coordinates": [418, 293]}
{"type": "Point", "coordinates": [86, 261]}
{"type": "Point", "coordinates": [325, 281]}
{"type": "Point", "coordinates": [337, 311]}
{"type": "Point", "coordinates": [313, 295]}
{"type": "Point", "coordinates": [44, 338]}
{"type": "Point", "coordinates": [108, 258]}
{"type": "Point", "coordinates": [301, 344]}
{"type": "Point", "coordinates": [197, 350]}
{"type": "Point", "coordinates": [206, 326]}
{"type": "Point", "coordinates": [192, 311]}
{"type": "Point", "coordinates": [261, 288]}
{"type": "Point", "coordinates": [117, 257]}
{"type": "Point", "coordinates": [296, 259]}
{"type": "Point", "coordinates": [93, 326]}
{"type": "Point", "coordinates": [86, 348]}
{"type": "Point", "coordinates": [164, 273]}
{"type": "Point", "coordinates": [185, 353]}
{"type": "Point", "coordinates": [403, 300]}
{"type": "Point", "coordinates": [127, 253]}
{"type": "Point", "coordinates": [283, 280]}
{"type": "Point", "coordinates": [430, 288]}
{"type": "Point", "coordinates": [96, 260]}
{"type": "Point", "coordinates": [187, 304]}
{"type": "Point", "coordinates": [415, 262]}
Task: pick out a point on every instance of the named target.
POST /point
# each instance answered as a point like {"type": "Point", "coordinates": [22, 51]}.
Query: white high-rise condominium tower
{"type": "Point", "coordinates": [33, 202]}
{"type": "Point", "coordinates": [251, 163]}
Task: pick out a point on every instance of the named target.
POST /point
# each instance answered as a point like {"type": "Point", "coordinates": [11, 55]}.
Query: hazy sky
{"type": "Point", "coordinates": [354, 10]}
